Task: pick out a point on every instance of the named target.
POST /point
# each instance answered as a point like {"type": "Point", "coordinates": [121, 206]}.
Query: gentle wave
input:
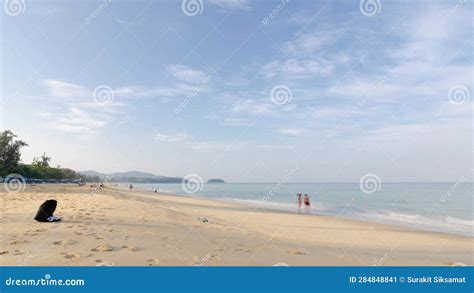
{"type": "Point", "coordinates": [416, 222]}
{"type": "Point", "coordinates": [342, 200]}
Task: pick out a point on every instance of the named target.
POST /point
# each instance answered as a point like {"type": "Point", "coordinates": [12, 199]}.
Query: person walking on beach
{"type": "Point", "coordinates": [131, 186]}
{"type": "Point", "coordinates": [307, 203]}
{"type": "Point", "coordinates": [298, 196]}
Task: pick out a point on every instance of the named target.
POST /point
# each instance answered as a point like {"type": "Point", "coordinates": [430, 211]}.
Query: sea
{"type": "Point", "coordinates": [438, 207]}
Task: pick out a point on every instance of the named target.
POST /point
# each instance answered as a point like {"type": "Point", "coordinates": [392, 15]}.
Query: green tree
{"type": "Point", "coordinates": [43, 161]}
{"type": "Point", "coordinates": [9, 152]}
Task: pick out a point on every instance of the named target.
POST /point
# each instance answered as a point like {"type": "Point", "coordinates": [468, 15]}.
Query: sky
{"type": "Point", "coordinates": [247, 91]}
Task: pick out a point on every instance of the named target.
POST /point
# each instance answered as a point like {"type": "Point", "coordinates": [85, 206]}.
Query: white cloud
{"type": "Point", "coordinates": [236, 122]}
{"type": "Point", "coordinates": [293, 131]}
{"type": "Point", "coordinates": [63, 89]}
{"type": "Point", "coordinates": [176, 90]}
{"type": "Point", "coordinates": [187, 141]}
{"type": "Point", "coordinates": [187, 74]}
{"type": "Point", "coordinates": [77, 113]}
{"type": "Point", "coordinates": [76, 120]}
{"type": "Point", "coordinates": [275, 147]}
{"type": "Point", "coordinates": [178, 137]}
{"type": "Point", "coordinates": [252, 107]}
{"type": "Point", "coordinates": [231, 4]}
{"type": "Point", "coordinates": [312, 42]}
{"type": "Point", "coordinates": [293, 68]}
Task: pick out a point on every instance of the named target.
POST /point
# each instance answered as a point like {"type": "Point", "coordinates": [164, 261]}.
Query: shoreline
{"type": "Point", "coordinates": [431, 228]}
{"type": "Point", "coordinates": [113, 226]}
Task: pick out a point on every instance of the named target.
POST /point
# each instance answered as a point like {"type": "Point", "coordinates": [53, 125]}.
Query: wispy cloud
{"type": "Point", "coordinates": [63, 89]}
{"type": "Point", "coordinates": [186, 74]}
{"type": "Point", "coordinates": [187, 141]}
{"type": "Point", "coordinates": [76, 120]}
{"type": "Point", "coordinates": [293, 131]}
{"type": "Point", "coordinates": [76, 112]}
{"type": "Point", "coordinates": [308, 43]}
{"type": "Point", "coordinates": [293, 68]}
{"type": "Point", "coordinates": [174, 90]}
{"type": "Point", "coordinates": [231, 4]}
{"type": "Point", "coordinates": [252, 107]}
{"type": "Point", "coordinates": [178, 137]}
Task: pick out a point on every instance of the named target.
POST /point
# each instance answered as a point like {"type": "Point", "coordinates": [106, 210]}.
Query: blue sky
{"type": "Point", "coordinates": [243, 90]}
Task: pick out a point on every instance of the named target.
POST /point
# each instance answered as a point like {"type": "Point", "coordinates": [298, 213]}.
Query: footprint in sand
{"type": "Point", "coordinates": [103, 248]}
{"type": "Point", "coordinates": [4, 252]}
{"type": "Point", "coordinates": [72, 256]}
{"type": "Point", "coordinates": [153, 261]}
{"type": "Point", "coordinates": [18, 252]}
{"type": "Point", "coordinates": [65, 242]}
{"type": "Point", "coordinates": [15, 242]}
{"type": "Point", "coordinates": [296, 252]}
{"type": "Point", "coordinates": [131, 248]}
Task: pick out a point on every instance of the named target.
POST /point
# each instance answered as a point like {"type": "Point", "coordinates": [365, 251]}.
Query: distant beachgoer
{"type": "Point", "coordinates": [307, 203]}
{"type": "Point", "coordinates": [299, 201]}
{"type": "Point", "coordinates": [131, 186]}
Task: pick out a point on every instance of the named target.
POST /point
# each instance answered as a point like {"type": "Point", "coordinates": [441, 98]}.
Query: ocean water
{"type": "Point", "coordinates": [440, 207]}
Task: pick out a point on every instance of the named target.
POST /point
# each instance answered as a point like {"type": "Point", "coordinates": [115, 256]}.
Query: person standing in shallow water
{"type": "Point", "coordinates": [307, 203]}
{"type": "Point", "coordinates": [298, 196]}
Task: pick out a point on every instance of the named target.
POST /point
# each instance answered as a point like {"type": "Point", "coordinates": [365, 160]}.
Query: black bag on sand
{"type": "Point", "coordinates": [46, 210]}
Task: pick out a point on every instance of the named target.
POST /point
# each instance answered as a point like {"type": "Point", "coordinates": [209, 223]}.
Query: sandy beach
{"type": "Point", "coordinates": [113, 226]}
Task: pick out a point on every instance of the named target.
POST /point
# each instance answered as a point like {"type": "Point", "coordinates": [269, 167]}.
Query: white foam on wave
{"type": "Point", "coordinates": [448, 224]}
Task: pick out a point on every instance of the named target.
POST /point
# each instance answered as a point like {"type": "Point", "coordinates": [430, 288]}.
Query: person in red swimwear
{"type": "Point", "coordinates": [307, 203]}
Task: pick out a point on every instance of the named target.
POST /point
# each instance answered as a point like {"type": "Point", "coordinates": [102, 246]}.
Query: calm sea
{"type": "Point", "coordinates": [441, 207]}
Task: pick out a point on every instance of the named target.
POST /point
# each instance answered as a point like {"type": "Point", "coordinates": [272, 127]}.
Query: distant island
{"type": "Point", "coordinates": [215, 181]}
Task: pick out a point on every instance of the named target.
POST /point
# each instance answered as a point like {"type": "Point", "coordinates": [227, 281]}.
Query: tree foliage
{"type": "Point", "coordinates": [10, 157]}
{"type": "Point", "coordinates": [9, 152]}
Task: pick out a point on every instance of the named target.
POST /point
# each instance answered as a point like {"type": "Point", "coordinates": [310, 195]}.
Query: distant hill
{"type": "Point", "coordinates": [215, 181]}
{"type": "Point", "coordinates": [133, 177]}
{"type": "Point", "coordinates": [136, 174]}
{"type": "Point", "coordinates": [92, 173]}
